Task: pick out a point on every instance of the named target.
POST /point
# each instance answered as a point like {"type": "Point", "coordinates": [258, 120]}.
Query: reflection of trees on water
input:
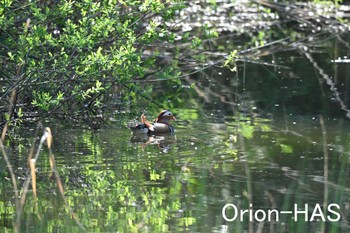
{"type": "Point", "coordinates": [280, 46]}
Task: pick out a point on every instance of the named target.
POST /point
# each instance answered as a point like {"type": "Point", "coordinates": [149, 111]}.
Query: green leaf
{"type": "Point", "coordinates": [286, 148]}
{"type": "Point", "coordinates": [247, 130]}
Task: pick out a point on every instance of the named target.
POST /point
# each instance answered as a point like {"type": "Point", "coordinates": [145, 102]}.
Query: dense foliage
{"type": "Point", "coordinates": [84, 58]}
{"type": "Point", "coordinates": [70, 57]}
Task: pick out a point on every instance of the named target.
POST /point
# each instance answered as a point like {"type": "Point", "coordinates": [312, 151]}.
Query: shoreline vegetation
{"type": "Point", "coordinates": [85, 60]}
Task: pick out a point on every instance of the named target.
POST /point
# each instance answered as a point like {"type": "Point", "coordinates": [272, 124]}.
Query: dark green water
{"type": "Point", "coordinates": [182, 182]}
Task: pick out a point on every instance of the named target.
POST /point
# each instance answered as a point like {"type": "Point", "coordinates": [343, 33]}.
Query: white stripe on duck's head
{"type": "Point", "coordinates": [164, 117]}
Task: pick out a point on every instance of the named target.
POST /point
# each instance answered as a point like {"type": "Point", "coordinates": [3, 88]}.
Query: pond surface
{"type": "Point", "coordinates": [181, 183]}
{"type": "Point", "coordinates": [288, 155]}
{"type": "Point", "coordinates": [264, 140]}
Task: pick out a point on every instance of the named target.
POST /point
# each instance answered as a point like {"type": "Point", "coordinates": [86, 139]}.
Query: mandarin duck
{"type": "Point", "coordinates": [159, 126]}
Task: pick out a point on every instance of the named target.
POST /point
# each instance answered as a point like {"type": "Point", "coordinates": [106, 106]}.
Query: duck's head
{"type": "Point", "coordinates": [164, 117]}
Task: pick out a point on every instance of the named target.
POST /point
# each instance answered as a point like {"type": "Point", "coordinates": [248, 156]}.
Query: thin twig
{"type": "Point", "coordinates": [13, 179]}
{"type": "Point", "coordinates": [325, 170]}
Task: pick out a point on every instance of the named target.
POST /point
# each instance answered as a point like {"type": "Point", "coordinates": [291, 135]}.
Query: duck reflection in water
{"type": "Point", "coordinates": [159, 132]}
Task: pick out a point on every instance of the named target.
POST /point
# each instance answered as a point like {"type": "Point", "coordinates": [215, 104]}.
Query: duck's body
{"type": "Point", "coordinates": [159, 126]}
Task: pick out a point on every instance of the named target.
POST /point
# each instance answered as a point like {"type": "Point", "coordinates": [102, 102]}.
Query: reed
{"type": "Point", "coordinates": [33, 174]}
{"type": "Point", "coordinates": [20, 199]}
